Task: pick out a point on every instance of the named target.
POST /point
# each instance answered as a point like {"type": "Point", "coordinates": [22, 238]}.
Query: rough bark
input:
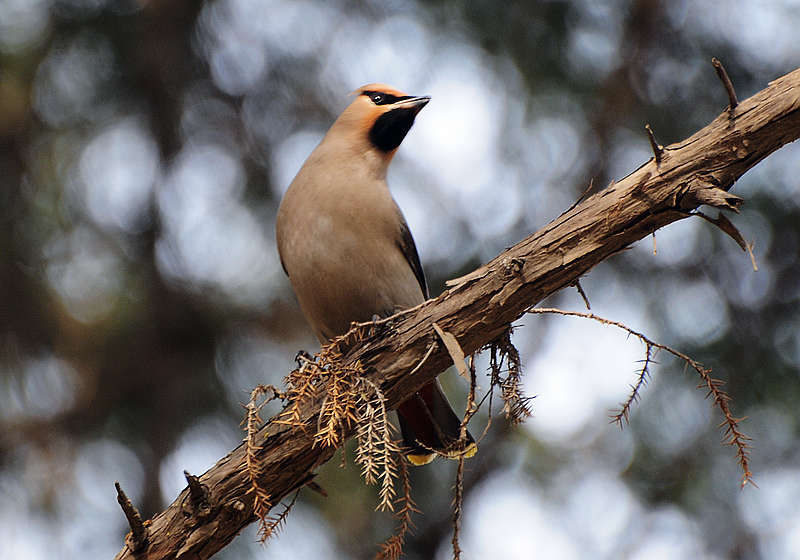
{"type": "Point", "coordinates": [481, 305]}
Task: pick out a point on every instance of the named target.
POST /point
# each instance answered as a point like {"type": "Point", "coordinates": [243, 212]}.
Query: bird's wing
{"type": "Point", "coordinates": [283, 265]}
{"type": "Point", "coordinates": [409, 249]}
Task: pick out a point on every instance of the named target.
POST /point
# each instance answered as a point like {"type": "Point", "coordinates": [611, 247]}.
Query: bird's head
{"type": "Point", "coordinates": [379, 117]}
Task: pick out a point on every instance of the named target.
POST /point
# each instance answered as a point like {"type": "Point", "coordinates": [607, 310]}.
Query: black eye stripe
{"type": "Point", "coordinates": [385, 98]}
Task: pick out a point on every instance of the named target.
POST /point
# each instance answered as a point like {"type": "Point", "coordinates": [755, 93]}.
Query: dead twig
{"type": "Point", "coordinates": [198, 493]}
{"type": "Point", "coordinates": [733, 101]}
{"type": "Point", "coordinates": [733, 434]}
{"type": "Point", "coordinates": [515, 403]}
{"type": "Point", "coordinates": [458, 498]}
{"type": "Point", "coordinates": [658, 149]}
{"type": "Point", "coordinates": [262, 503]}
{"type": "Point", "coordinates": [137, 539]}
{"type": "Point", "coordinates": [392, 549]}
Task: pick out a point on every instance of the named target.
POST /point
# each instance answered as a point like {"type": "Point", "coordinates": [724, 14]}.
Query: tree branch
{"type": "Point", "coordinates": [480, 306]}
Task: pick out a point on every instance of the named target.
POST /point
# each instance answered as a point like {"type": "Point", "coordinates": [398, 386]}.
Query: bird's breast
{"type": "Point", "coordinates": [344, 262]}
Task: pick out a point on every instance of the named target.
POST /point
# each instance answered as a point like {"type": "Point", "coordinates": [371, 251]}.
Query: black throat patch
{"type": "Point", "coordinates": [391, 127]}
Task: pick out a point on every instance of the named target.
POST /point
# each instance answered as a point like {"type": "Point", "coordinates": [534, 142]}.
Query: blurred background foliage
{"type": "Point", "coordinates": [144, 146]}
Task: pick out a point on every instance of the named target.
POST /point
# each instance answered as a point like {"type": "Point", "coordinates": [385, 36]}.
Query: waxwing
{"type": "Point", "coordinates": [349, 254]}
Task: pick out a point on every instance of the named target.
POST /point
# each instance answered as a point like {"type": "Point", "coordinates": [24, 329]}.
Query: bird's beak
{"type": "Point", "coordinates": [416, 103]}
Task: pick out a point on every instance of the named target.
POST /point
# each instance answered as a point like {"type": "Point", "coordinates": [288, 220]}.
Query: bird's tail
{"type": "Point", "coordinates": [430, 427]}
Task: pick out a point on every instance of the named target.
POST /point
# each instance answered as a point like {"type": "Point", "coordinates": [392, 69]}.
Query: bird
{"type": "Point", "coordinates": [349, 254]}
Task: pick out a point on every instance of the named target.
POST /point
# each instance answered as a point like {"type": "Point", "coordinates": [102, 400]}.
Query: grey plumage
{"type": "Point", "coordinates": [347, 249]}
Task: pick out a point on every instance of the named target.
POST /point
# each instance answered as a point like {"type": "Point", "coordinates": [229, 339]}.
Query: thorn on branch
{"type": "Point", "coordinates": [658, 149]}
{"type": "Point", "coordinates": [198, 492]}
{"type": "Point", "coordinates": [137, 539]}
{"type": "Point", "coordinates": [577, 285]}
{"type": "Point", "coordinates": [726, 81]}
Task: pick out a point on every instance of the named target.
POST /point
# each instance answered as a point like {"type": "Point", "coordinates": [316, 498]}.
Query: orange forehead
{"type": "Point", "coordinates": [383, 88]}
